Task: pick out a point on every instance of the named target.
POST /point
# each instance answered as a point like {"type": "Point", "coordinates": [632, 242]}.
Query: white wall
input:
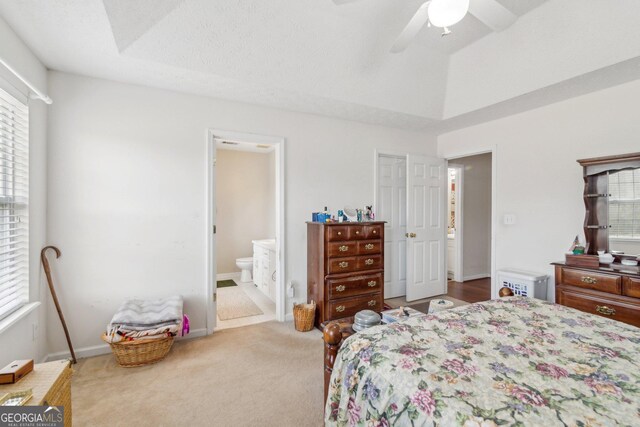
{"type": "Point", "coordinates": [544, 47]}
{"type": "Point", "coordinates": [127, 189]}
{"type": "Point", "coordinates": [20, 341]}
{"type": "Point", "coordinates": [245, 204]}
{"type": "Point", "coordinates": [538, 178]}
{"type": "Point", "coordinates": [476, 216]}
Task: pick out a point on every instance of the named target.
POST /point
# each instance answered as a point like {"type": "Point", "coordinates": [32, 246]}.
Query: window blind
{"type": "Point", "coordinates": [14, 204]}
{"type": "Point", "coordinates": [624, 204]}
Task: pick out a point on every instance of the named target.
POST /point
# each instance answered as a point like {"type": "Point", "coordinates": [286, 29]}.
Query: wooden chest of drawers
{"type": "Point", "coordinates": [606, 291]}
{"type": "Point", "coordinates": [345, 268]}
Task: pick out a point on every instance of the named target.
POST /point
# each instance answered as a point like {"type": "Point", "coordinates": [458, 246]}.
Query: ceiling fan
{"type": "Point", "coordinates": [445, 13]}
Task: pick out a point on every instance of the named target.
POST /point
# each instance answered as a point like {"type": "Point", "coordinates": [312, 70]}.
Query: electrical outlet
{"type": "Point", "coordinates": [509, 219]}
{"type": "Point", "coordinates": [290, 290]}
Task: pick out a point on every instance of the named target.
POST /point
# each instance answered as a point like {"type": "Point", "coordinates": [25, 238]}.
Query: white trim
{"type": "Point", "coordinates": [36, 93]}
{"type": "Point", "coordinates": [288, 317]}
{"type": "Point", "coordinates": [458, 273]}
{"type": "Point", "coordinates": [102, 349]}
{"type": "Point", "coordinates": [494, 204]}
{"type": "Point", "coordinates": [228, 276]}
{"type": "Point", "coordinates": [17, 315]}
{"type": "Point", "coordinates": [475, 277]}
{"type": "Point", "coordinates": [210, 286]}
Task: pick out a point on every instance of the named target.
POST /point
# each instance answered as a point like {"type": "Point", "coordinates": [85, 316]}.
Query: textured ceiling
{"type": "Point", "coordinates": [303, 55]}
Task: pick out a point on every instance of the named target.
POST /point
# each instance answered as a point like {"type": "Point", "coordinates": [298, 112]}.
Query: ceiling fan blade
{"type": "Point", "coordinates": [492, 14]}
{"type": "Point", "coordinates": [412, 29]}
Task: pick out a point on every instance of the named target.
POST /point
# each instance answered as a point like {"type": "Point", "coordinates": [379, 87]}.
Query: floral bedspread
{"type": "Point", "coordinates": [512, 361]}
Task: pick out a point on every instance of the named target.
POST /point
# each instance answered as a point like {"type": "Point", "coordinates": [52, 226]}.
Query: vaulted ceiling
{"type": "Point", "coordinates": [320, 57]}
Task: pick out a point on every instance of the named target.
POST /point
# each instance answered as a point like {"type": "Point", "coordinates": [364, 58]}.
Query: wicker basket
{"type": "Point", "coordinates": [304, 316]}
{"type": "Point", "coordinates": [140, 352]}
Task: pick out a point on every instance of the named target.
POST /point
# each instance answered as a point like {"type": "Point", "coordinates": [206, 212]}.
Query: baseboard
{"type": "Point", "coordinates": [288, 317]}
{"type": "Point", "coordinates": [476, 277]}
{"type": "Point", "coordinates": [102, 349]}
{"type": "Point", "coordinates": [228, 276]}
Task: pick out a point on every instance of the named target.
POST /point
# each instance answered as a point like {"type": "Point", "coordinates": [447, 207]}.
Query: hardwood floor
{"type": "Point", "coordinates": [471, 291]}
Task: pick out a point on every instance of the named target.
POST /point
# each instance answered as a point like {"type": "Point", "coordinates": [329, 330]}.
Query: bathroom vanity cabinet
{"type": "Point", "coordinates": [264, 267]}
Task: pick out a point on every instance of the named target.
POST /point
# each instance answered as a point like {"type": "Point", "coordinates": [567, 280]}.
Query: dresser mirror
{"type": "Point", "coordinates": [612, 205]}
{"type": "Point", "coordinates": [624, 211]}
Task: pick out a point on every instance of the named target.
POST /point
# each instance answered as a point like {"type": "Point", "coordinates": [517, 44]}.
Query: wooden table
{"type": "Point", "coordinates": [51, 385]}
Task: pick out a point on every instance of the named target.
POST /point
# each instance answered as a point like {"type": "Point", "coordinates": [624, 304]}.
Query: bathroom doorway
{"type": "Point", "coordinates": [245, 277]}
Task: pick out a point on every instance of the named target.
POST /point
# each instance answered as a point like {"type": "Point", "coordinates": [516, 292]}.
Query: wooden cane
{"type": "Point", "coordinates": [47, 271]}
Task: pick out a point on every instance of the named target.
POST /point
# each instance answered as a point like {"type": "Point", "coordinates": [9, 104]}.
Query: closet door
{"type": "Point", "coordinates": [426, 227]}
{"type": "Point", "coordinates": [392, 208]}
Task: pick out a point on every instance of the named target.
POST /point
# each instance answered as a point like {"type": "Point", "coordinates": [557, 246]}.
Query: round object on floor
{"type": "Point", "coordinates": [365, 319]}
{"type": "Point", "coordinates": [437, 305]}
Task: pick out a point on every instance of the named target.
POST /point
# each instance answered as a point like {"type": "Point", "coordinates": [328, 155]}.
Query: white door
{"type": "Point", "coordinates": [426, 224]}
{"type": "Point", "coordinates": [392, 208]}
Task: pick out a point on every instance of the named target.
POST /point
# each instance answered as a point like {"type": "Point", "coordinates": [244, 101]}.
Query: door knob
{"type": "Point", "coordinates": [412, 235]}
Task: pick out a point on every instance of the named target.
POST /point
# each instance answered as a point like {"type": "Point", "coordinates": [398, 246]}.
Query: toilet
{"type": "Point", "coordinates": [245, 265]}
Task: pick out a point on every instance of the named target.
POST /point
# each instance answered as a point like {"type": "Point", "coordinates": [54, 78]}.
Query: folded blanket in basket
{"type": "Point", "coordinates": [137, 313]}
{"type": "Point", "coordinates": [137, 319]}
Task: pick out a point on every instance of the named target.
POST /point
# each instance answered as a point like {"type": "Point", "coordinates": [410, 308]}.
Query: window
{"type": "Point", "coordinates": [14, 199]}
{"type": "Point", "coordinates": [624, 204]}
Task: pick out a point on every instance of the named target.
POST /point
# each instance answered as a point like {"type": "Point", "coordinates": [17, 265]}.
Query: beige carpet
{"type": "Point", "coordinates": [234, 303]}
{"type": "Point", "coordinates": [266, 374]}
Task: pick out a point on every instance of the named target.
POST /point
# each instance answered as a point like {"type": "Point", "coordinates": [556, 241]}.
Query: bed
{"type": "Point", "coordinates": [511, 361]}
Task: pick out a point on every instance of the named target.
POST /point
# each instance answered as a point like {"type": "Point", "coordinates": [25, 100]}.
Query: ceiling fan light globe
{"type": "Point", "coordinates": [445, 13]}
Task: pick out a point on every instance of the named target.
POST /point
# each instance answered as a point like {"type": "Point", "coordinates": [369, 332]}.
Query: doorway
{"type": "Point", "coordinates": [245, 277]}
{"type": "Point", "coordinates": [470, 224]}
{"type": "Point", "coordinates": [409, 197]}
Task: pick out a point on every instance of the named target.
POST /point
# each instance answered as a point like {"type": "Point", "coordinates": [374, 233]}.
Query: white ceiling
{"type": "Point", "coordinates": [305, 55]}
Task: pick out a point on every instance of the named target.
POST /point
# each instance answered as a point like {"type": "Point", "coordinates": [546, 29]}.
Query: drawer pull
{"type": "Point", "coordinates": [357, 232]}
{"type": "Point", "coordinates": [589, 280]}
{"type": "Point", "coordinates": [339, 233]}
{"type": "Point", "coordinates": [372, 283]}
{"type": "Point", "coordinates": [343, 248]}
{"type": "Point", "coordinates": [368, 261]}
{"type": "Point", "coordinates": [340, 308]}
{"type": "Point", "coordinates": [371, 303]}
{"type": "Point", "coordinates": [343, 264]}
{"type": "Point", "coordinates": [341, 288]}
{"type": "Point", "coordinates": [375, 231]}
{"type": "Point", "coordinates": [607, 311]}
{"type": "Point", "coordinates": [369, 246]}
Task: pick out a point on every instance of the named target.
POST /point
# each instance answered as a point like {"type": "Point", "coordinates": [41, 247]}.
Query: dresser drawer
{"type": "Point", "coordinates": [592, 280]}
{"type": "Point", "coordinates": [370, 247]}
{"type": "Point", "coordinates": [373, 231]}
{"type": "Point", "coordinates": [370, 262]}
{"type": "Point", "coordinates": [631, 287]}
{"type": "Point", "coordinates": [349, 306]}
{"type": "Point", "coordinates": [597, 303]}
{"type": "Point", "coordinates": [342, 249]}
{"type": "Point", "coordinates": [350, 286]}
{"type": "Point", "coordinates": [342, 265]}
{"type": "Point", "coordinates": [337, 232]}
{"type": "Point", "coordinates": [357, 232]}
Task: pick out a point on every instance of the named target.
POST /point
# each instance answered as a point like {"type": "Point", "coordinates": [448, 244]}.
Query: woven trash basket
{"type": "Point", "coordinates": [304, 316]}
{"type": "Point", "coordinates": [140, 352]}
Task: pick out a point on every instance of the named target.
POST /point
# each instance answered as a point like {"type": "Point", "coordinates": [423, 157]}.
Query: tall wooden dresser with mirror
{"type": "Point", "coordinates": [345, 268]}
{"type": "Point", "coordinates": [611, 225]}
